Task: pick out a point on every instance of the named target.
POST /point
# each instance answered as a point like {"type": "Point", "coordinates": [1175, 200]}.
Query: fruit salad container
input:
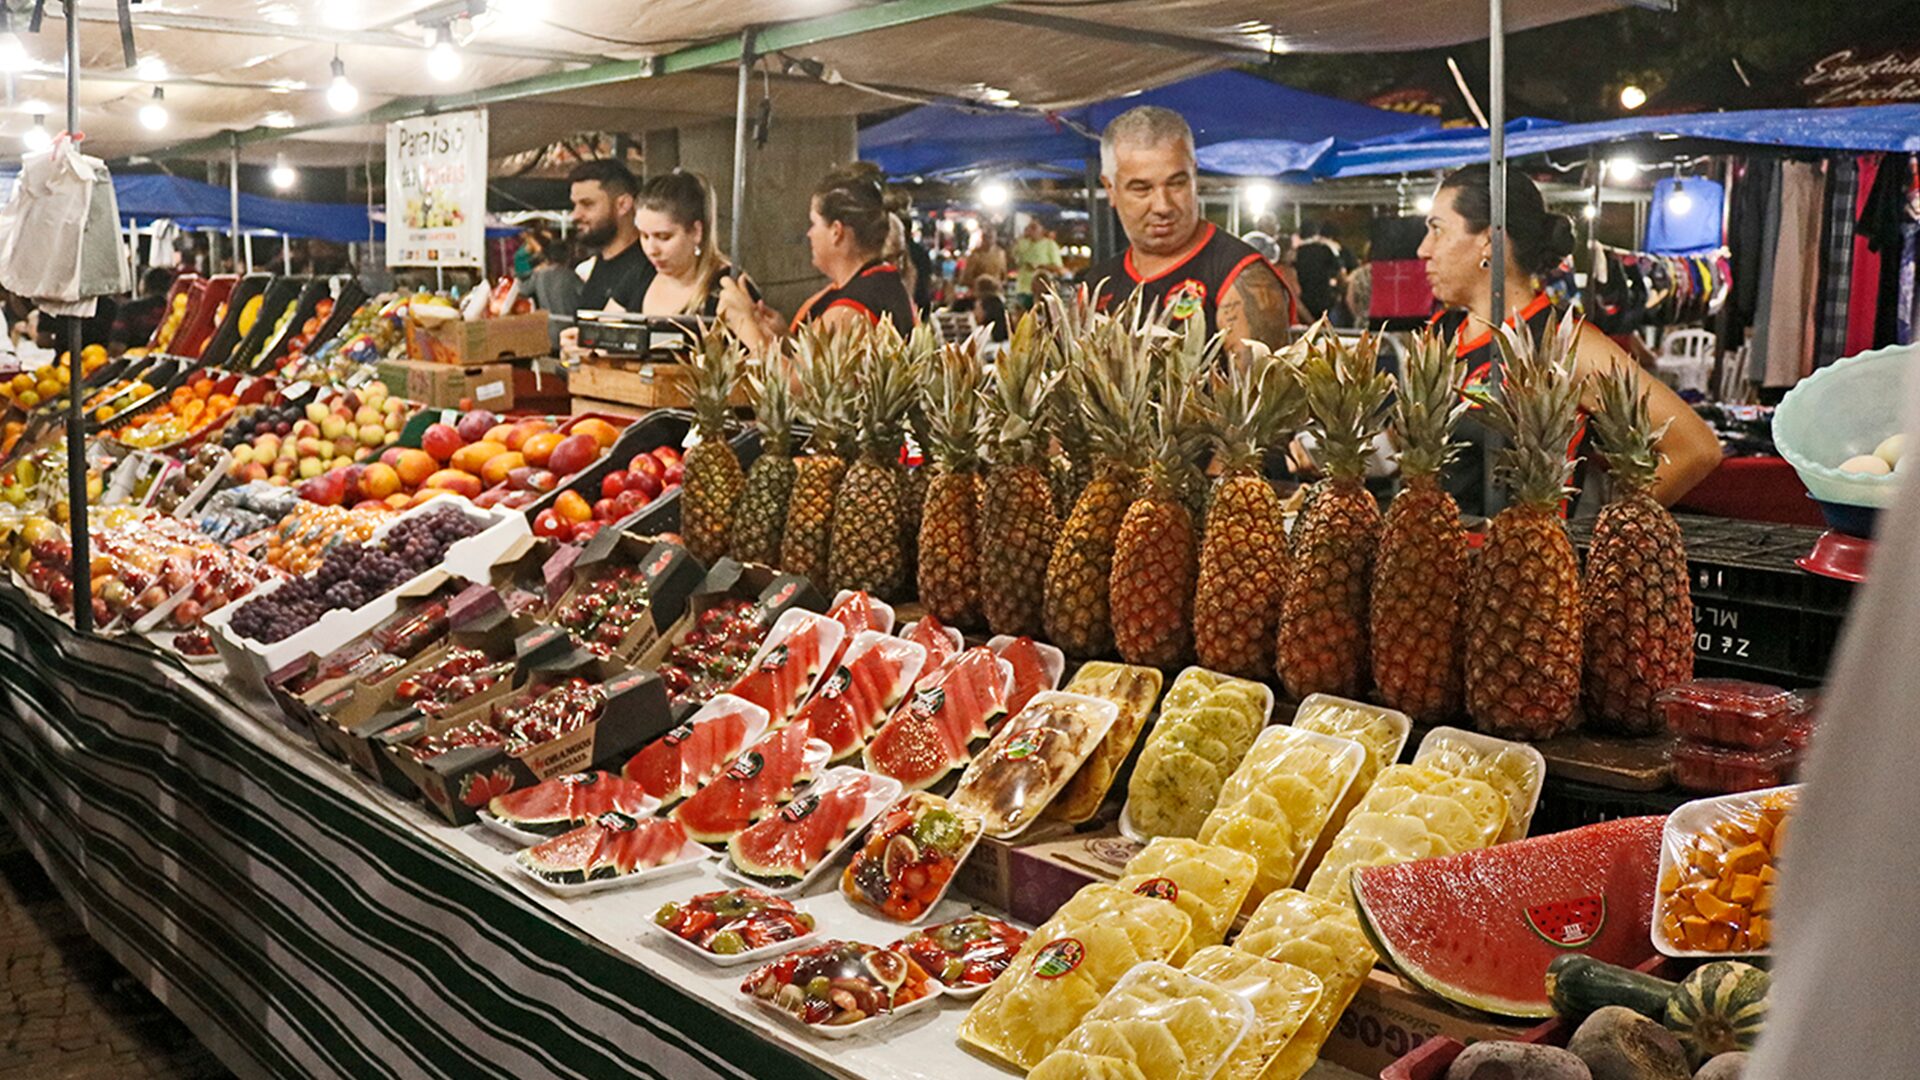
{"type": "Point", "coordinates": [1031, 758]}
{"type": "Point", "coordinates": [727, 619]}
{"type": "Point", "coordinates": [1718, 770]}
{"type": "Point", "coordinates": [733, 926]}
{"type": "Point", "coordinates": [909, 857]}
{"type": "Point", "coordinates": [965, 954]}
{"type": "Point", "coordinates": [838, 989]}
{"type": "Point", "coordinates": [1730, 712]}
{"type": "Point", "coordinates": [1719, 868]}
{"type": "Point", "coordinates": [485, 538]}
{"type": "Point", "coordinates": [787, 851]}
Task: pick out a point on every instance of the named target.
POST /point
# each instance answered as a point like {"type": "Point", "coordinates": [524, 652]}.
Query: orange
{"type": "Point", "coordinates": [540, 447]}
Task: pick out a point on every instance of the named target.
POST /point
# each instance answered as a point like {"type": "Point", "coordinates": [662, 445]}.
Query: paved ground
{"type": "Point", "coordinates": [67, 1010]}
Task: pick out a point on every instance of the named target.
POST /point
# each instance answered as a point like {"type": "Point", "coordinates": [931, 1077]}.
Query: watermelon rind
{"type": "Point", "coordinates": [1413, 973]}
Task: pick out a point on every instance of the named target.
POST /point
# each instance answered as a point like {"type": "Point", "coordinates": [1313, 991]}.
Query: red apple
{"type": "Point", "coordinates": [646, 465]}
{"type": "Point", "coordinates": [521, 479]}
{"type": "Point", "coordinates": [646, 483]}
{"type": "Point", "coordinates": [615, 482]}
{"type": "Point", "coordinates": [391, 455]}
{"type": "Point", "coordinates": [490, 498]}
{"type": "Point", "coordinates": [543, 480]}
{"type": "Point", "coordinates": [666, 455]}
{"type": "Point", "coordinates": [548, 523]}
{"type": "Point", "coordinates": [584, 531]}
{"type": "Point", "coordinates": [442, 441]}
{"type": "Point", "coordinates": [674, 473]}
{"type": "Point", "coordinates": [606, 510]}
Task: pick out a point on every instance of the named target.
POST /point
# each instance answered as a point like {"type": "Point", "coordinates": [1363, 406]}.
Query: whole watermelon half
{"type": "Point", "coordinates": [1480, 928]}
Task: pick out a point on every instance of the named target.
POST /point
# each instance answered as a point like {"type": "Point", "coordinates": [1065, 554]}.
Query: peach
{"type": "Point", "coordinates": [539, 448]}
{"type": "Point", "coordinates": [524, 430]}
{"type": "Point", "coordinates": [499, 466]}
{"type": "Point", "coordinates": [473, 457]}
{"type": "Point", "coordinates": [414, 466]}
{"type": "Point", "coordinates": [460, 483]}
{"type": "Point", "coordinates": [379, 481]}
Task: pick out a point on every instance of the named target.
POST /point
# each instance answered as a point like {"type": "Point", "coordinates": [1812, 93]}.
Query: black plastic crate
{"type": "Point", "coordinates": [1569, 804]}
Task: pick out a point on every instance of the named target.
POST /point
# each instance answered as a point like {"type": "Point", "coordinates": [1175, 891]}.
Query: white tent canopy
{"type": "Point", "coordinates": [245, 65]}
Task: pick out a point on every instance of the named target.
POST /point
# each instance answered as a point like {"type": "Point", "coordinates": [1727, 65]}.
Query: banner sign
{"type": "Point", "coordinates": [1864, 77]}
{"type": "Point", "coordinates": [437, 190]}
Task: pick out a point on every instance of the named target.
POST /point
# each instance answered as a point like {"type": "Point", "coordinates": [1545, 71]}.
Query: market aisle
{"type": "Point", "coordinates": [67, 1010]}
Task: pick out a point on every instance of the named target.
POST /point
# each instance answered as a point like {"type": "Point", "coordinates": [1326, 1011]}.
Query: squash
{"type": "Point", "coordinates": [1718, 1008]}
{"type": "Point", "coordinates": [1578, 985]}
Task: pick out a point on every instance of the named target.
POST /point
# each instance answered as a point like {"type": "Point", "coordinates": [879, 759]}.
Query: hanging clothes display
{"type": "Point", "coordinates": [60, 242]}
{"type": "Point", "coordinates": [1836, 263]}
{"type": "Point", "coordinates": [1754, 189]}
{"type": "Point", "coordinates": [1888, 220]}
{"type": "Point", "coordinates": [1685, 216]}
{"type": "Point", "coordinates": [1785, 352]}
{"type": "Point", "coordinates": [1634, 290]}
{"type": "Point", "coordinates": [1864, 305]}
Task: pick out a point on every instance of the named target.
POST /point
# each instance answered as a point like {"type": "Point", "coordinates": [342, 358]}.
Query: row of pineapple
{"type": "Point", "coordinates": [1121, 545]}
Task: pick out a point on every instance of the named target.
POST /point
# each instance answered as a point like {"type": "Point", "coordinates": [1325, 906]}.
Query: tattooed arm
{"type": "Point", "coordinates": [1256, 307]}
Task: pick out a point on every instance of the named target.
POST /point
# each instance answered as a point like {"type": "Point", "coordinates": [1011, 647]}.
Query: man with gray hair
{"type": "Point", "coordinates": [1177, 259]}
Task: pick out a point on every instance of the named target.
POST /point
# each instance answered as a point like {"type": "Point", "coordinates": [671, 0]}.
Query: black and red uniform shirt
{"type": "Point", "coordinates": [1465, 478]}
{"type": "Point", "coordinates": [1193, 285]}
{"type": "Point", "coordinates": [877, 292]}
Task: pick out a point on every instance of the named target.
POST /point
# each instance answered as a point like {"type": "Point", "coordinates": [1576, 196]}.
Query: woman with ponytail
{"type": "Point", "coordinates": [675, 216]}
{"type": "Point", "coordinates": [1458, 250]}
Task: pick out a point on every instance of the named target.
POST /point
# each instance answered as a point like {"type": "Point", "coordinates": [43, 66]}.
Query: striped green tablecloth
{"type": "Point", "coordinates": [295, 927]}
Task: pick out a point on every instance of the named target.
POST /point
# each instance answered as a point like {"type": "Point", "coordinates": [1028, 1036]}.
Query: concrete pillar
{"type": "Point", "coordinates": [780, 181]}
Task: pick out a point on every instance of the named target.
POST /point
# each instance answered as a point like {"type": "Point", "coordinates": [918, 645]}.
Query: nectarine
{"type": "Point", "coordinates": [602, 432]}
{"type": "Point", "coordinates": [414, 466]}
{"type": "Point", "coordinates": [571, 507]}
{"type": "Point", "coordinates": [524, 430]}
{"type": "Point", "coordinates": [379, 480]}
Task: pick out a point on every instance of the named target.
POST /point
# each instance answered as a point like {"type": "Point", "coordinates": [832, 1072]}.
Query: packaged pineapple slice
{"type": "Point", "coordinates": [1168, 1023]}
{"type": "Point", "coordinates": [1134, 689]}
{"type": "Point", "coordinates": [1282, 997]}
{"type": "Point", "coordinates": [1208, 883]}
{"type": "Point", "coordinates": [1411, 813]}
{"type": "Point", "coordinates": [1207, 724]}
{"type": "Point", "coordinates": [1065, 968]}
{"type": "Point", "coordinates": [1278, 802]}
{"type": "Point", "coordinates": [1322, 938]}
{"type": "Point", "coordinates": [1380, 731]}
{"type": "Point", "coordinates": [1515, 770]}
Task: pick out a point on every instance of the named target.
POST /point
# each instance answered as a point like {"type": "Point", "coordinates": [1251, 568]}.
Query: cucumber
{"type": "Point", "coordinates": [1578, 985]}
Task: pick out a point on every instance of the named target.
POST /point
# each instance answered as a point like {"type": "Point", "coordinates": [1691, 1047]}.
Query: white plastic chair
{"type": "Point", "coordinates": [1686, 360]}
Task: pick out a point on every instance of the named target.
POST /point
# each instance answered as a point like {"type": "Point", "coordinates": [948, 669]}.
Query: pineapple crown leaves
{"type": "Point", "coordinates": [772, 384]}
{"type": "Point", "coordinates": [952, 401]}
{"type": "Point", "coordinates": [824, 361]}
{"type": "Point", "coordinates": [1624, 427]}
{"type": "Point", "coordinates": [1252, 403]}
{"type": "Point", "coordinates": [1179, 417]}
{"type": "Point", "coordinates": [1347, 400]}
{"type": "Point", "coordinates": [1537, 411]}
{"type": "Point", "coordinates": [1017, 399]}
{"type": "Point", "coordinates": [888, 371]}
{"type": "Point", "coordinates": [719, 365]}
{"type": "Point", "coordinates": [1111, 378]}
{"type": "Point", "coordinates": [1428, 405]}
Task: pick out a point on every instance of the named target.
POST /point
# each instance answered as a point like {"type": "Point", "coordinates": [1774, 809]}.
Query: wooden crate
{"type": "Point", "coordinates": [648, 386]}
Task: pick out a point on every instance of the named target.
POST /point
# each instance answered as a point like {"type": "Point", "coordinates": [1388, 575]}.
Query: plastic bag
{"type": "Point", "coordinates": [1718, 872]}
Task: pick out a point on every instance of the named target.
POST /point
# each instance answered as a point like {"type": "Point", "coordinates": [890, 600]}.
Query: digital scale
{"type": "Point", "coordinates": [623, 333]}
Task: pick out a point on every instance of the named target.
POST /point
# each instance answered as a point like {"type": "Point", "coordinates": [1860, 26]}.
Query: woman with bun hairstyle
{"type": "Point", "coordinates": [847, 232]}
{"type": "Point", "coordinates": [675, 216]}
{"type": "Point", "coordinates": [1458, 250]}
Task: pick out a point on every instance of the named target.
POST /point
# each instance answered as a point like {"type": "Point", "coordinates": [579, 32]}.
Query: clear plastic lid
{"type": "Point", "coordinates": [1704, 767]}
{"type": "Point", "coordinates": [1729, 697]}
{"type": "Point", "coordinates": [1152, 1010]}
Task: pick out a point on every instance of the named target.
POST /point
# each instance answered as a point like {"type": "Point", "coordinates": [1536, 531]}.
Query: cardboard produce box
{"type": "Point", "coordinates": [1030, 877]}
{"type": "Point", "coordinates": [1389, 1018]}
{"type": "Point", "coordinates": [480, 341]}
{"type": "Point", "coordinates": [670, 571]}
{"type": "Point", "coordinates": [664, 385]}
{"type": "Point", "coordinates": [771, 592]}
{"type": "Point", "coordinates": [445, 386]}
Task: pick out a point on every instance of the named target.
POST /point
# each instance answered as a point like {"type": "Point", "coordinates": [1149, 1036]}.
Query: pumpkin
{"type": "Point", "coordinates": [1718, 1008]}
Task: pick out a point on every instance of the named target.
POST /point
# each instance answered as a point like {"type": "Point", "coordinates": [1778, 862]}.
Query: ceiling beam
{"type": "Point", "coordinates": [1126, 35]}
{"type": "Point", "coordinates": [794, 35]}
{"type": "Point", "coordinates": [261, 28]}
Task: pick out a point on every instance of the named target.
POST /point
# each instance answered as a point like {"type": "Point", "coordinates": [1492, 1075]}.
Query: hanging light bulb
{"type": "Point", "coordinates": [342, 95]}
{"type": "Point", "coordinates": [1259, 196]}
{"type": "Point", "coordinates": [153, 115]}
{"type": "Point", "coordinates": [282, 175]}
{"type": "Point", "coordinates": [1632, 97]}
{"type": "Point", "coordinates": [37, 138]}
{"type": "Point", "coordinates": [1623, 169]}
{"type": "Point", "coordinates": [995, 195]}
{"type": "Point", "coordinates": [443, 60]}
{"type": "Point", "coordinates": [13, 54]}
{"type": "Point", "coordinates": [1423, 204]}
{"type": "Point", "coordinates": [1679, 203]}
{"type": "Point", "coordinates": [1589, 211]}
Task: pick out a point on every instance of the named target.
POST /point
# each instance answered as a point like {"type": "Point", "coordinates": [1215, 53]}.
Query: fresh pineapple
{"type": "Point", "coordinates": [1243, 554]}
{"type": "Point", "coordinates": [762, 514]}
{"type": "Point", "coordinates": [1322, 643]}
{"type": "Point", "coordinates": [949, 571]}
{"type": "Point", "coordinates": [1523, 607]}
{"type": "Point", "coordinates": [1155, 555]}
{"type": "Point", "coordinates": [1017, 520]}
{"type": "Point", "coordinates": [714, 479]}
{"type": "Point", "coordinates": [867, 551]}
{"type": "Point", "coordinates": [1422, 566]}
{"type": "Point", "coordinates": [825, 363]}
{"type": "Point", "coordinates": [1109, 379]}
{"type": "Point", "coordinates": [1639, 606]}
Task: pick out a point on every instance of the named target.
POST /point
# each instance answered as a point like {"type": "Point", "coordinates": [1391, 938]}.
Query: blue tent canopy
{"type": "Point", "coordinates": [1222, 107]}
{"type": "Point", "coordinates": [197, 205]}
{"type": "Point", "coordinates": [1864, 128]}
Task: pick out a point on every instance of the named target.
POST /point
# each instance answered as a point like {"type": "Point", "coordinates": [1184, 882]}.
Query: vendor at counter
{"type": "Point", "coordinates": [604, 195]}
{"type": "Point", "coordinates": [1458, 250]}
{"type": "Point", "coordinates": [676, 231]}
{"type": "Point", "coordinates": [1179, 261]}
{"type": "Point", "coordinates": [847, 231]}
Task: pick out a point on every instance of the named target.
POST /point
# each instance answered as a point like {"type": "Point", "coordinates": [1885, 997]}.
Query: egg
{"type": "Point", "coordinates": [1866, 465]}
{"type": "Point", "coordinates": [1891, 449]}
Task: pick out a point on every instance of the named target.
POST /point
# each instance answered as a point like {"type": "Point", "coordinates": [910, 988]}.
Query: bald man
{"type": "Point", "coordinates": [1177, 259]}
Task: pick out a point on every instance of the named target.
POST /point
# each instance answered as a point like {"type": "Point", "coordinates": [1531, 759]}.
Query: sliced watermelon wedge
{"type": "Point", "coordinates": [756, 783]}
{"type": "Point", "coordinates": [614, 845]}
{"type": "Point", "coordinates": [941, 642]}
{"type": "Point", "coordinates": [788, 845]}
{"type": "Point", "coordinates": [1480, 928]}
{"type": "Point", "coordinates": [1036, 668]}
{"type": "Point", "coordinates": [932, 733]}
{"type": "Point", "coordinates": [862, 692]}
{"type": "Point", "coordinates": [562, 803]}
{"type": "Point", "coordinates": [789, 663]}
{"type": "Point", "coordinates": [679, 763]}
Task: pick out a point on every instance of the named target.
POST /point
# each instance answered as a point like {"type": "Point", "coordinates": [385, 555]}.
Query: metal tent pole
{"type": "Point", "coordinates": [76, 388]}
{"type": "Point", "coordinates": [233, 192]}
{"type": "Point", "coordinates": [739, 210]}
{"type": "Point", "coordinates": [1497, 189]}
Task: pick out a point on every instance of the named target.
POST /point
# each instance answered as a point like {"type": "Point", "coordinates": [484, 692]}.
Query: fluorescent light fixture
{"type": "Point", "coordinates": [153, 115]}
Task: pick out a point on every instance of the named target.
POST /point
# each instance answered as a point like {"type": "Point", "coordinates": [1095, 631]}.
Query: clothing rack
{"type": "Point", "coordinates": [1628, 290]}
